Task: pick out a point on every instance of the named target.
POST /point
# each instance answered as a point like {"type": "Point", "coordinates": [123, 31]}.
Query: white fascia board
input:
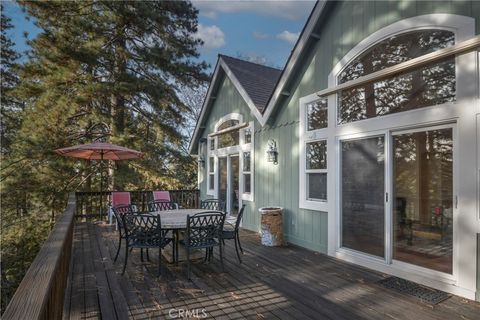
{"type": "Point", "coordinates": [241, 90]}
{"type": "Point", "coordinates": [204, 108]}
{"type": "Point", "coordinates": [293, 61]}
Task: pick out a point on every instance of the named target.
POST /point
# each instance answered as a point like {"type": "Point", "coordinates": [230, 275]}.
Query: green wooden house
{"type": "Point", "coordinates": [368, 138]}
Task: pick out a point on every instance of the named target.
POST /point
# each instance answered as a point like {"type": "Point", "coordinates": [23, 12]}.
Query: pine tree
{"type": "Point", "coordinates": [10, 107]}
{"type": "Point", "coordinates": [119, 64]}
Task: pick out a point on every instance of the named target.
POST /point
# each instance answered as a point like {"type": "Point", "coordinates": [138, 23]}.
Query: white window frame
{"type": "Point", "coordinates": [461, 112]}
{"type": "Point", "coordinates": [306, 137]}
{"type": "Point", "coordinates": [237, 149]}
{"type": "Point", "coordinates": [247, 147]}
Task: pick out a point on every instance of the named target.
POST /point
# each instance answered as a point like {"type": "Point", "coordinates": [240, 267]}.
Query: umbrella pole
{"type": "Point", "coordinates": [101, 186]}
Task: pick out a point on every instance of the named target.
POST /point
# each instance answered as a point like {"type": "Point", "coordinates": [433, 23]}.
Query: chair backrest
{"type": "Point", "coordinates": [161, 195]}
{"type": "Point", "coordinates": [144, 230]}
{"type": "Point", "coordinates": [120, 198]}
{"type": "Point", "coordinates": [213, 204]}
{"type": "Point", "coordinates": [239, 218]}
{"type": "Point", "coordinates": [204, 227]}
{"type": "Point", "coordinates": [120, 211]}
{"type": "Point", "coordinates": [161, 205]}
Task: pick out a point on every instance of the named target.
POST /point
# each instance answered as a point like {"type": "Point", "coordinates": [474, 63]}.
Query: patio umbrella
{"type": "Point", "coordinates": [99, 151]}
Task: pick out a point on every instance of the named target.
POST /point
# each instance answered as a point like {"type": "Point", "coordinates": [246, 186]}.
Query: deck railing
{"type": "Point", "coordinates": [41, 293]}
{"type": "Point", "coordinates": [95, 204]}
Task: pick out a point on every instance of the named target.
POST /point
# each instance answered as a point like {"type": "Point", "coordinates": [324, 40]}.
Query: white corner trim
{"type": "Point", "coordinates": [241, 90]}
{"type": "Point", "coordinates": [462, 26]}
{"type": "Point", "coordinates": [293, 61]}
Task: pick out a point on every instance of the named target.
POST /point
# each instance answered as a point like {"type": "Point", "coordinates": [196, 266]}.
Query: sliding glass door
{"type": "Point", "coordinates": [362, 197]}
{"type": "Point", "coordinates": [415, 224]}
{"type": "Point", "coordinates": [423, 198]}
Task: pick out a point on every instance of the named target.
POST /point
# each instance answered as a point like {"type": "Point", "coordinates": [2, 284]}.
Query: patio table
{"type": "Point", "coordinates": [176, 220]}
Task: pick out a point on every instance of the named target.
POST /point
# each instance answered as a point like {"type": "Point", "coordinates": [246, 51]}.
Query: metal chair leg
{"type": "Point", "coordinates": [236, 249]}
{"type": "Point", "coordinates": [141, 254]}
{"type": "Point", "coordinates": [126, 257]}
{"type": "Point", "coordinates": [118, 249]}
{"type": "Point", "coordinates": [206, 255]}
{"type": "Point", "coordinates": [148, 256]}
{"type": "Point", "coordinates": [239, 244]}
{"type": "Point", "coordinates": [188, 263]}
{"type": "Point", "coordinates": [159, 261]}
{"type": "Point", "coordinates": [221, 257]}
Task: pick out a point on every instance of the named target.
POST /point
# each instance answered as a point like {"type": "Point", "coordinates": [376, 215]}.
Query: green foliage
{"type": "Point", "coordinates": [99, 71]}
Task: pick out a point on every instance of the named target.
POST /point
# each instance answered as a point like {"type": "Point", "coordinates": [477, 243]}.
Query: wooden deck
{"type": "Point", "coordinates": [271, 283]}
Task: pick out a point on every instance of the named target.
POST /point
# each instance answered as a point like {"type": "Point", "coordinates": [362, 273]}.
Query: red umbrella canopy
{"type": "Point", "coordinates": [99, 151]}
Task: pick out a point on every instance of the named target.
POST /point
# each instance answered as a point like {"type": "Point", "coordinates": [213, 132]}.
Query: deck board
{"type": "Point", "coordinates": [271, 283]}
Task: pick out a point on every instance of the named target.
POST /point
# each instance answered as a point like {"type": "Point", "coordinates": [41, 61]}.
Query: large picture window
{"type": "Point", "coordinates": [429, 85]}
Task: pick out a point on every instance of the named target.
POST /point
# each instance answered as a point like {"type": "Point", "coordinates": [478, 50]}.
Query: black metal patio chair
{"type": "Point", "coordinates": [231, 232]}
{"type": "Point", "coordinates": [119, 212]}
{"type": "Point", "coordinates": [145, 231]}
{"type": "Point", "coordinates": [161, 205]}
{"type": "Point", "coordinates": [203, 231]}
{"type": "Point", "coordinates": [213, 204]}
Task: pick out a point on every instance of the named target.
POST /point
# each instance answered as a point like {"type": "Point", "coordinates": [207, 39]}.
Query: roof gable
{"type": "Point", "coordinates": [257, 80]}
{"type": "Point", "coordinates": [254, 82]}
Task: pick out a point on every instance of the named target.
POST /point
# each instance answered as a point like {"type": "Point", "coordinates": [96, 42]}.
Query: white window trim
{"type": "Point", "coordinates": [247, 147]}
{"type": "Point", "coordinates": [238, 149]}
{"type": "Point", "coordinates": [460, 112]}
{"type": "Point", "coordinates": [305, 137]}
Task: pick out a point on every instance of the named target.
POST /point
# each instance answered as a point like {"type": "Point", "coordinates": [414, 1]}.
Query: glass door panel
{"type": "Point", "coordinates": [423, 198]}
{"type": "Point", "coordinates": [363, 191]}
{"type": "Point", "coordinates": [234, 169]}
{"type": "Point", "coordinates": [222, 179]}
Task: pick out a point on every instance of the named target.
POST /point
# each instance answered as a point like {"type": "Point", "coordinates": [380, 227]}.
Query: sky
{"type": "Point", "coordinates": [259, 31]}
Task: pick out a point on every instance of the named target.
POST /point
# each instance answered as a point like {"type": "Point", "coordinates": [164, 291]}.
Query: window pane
{"type": "Point", "coordinates": [211, 181]}
{"type": "Point", "coordinates": [246, 161]}
{"type": "Point", "coordinates": [423, 199]}
{"type": "Point", "coordinates": [430, 85]}
{"type": "Point", "coordinates": [247, 183]}
{"type": "Point", "coordinates": [397, 49]}
{"type": "Point", "coordinates": [211, 167]}
{"type": "Point", "coordinates": [212, 144]}
{"type": "Point", "coordinates": [317, 186]}
{"type": "Point", "coordinates": [248, 135]}
{"type": "Point", "coordinates": [363, 195]}
{"type": "Point", "coordinates": [317, 115]}
{"type": "Point", "coordinates": [229, 139]}
{"type": "Point", "coordinates": [316, 155]}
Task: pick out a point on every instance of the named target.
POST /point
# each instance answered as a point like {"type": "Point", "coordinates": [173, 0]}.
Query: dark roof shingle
{"type": "Point", "coordinates": [258, 80]}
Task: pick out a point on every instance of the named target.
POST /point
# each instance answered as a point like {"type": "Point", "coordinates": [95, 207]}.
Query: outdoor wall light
{"type": "Point", "coordinates": [272, 153]}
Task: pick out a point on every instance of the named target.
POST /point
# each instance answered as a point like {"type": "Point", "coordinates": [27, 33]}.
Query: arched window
{"type": "Point", "coordinates": [429, 85]}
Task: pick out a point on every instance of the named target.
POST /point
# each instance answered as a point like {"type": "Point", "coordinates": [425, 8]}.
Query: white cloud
{"type": "Point", "coordinates": [260, 35]}
{"type": "Point", "coordinates": [290, 37]}
{"type": "Point", "coordinates": [212, 36]}
{"type": "Point", "coordinates": [292, 10]}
